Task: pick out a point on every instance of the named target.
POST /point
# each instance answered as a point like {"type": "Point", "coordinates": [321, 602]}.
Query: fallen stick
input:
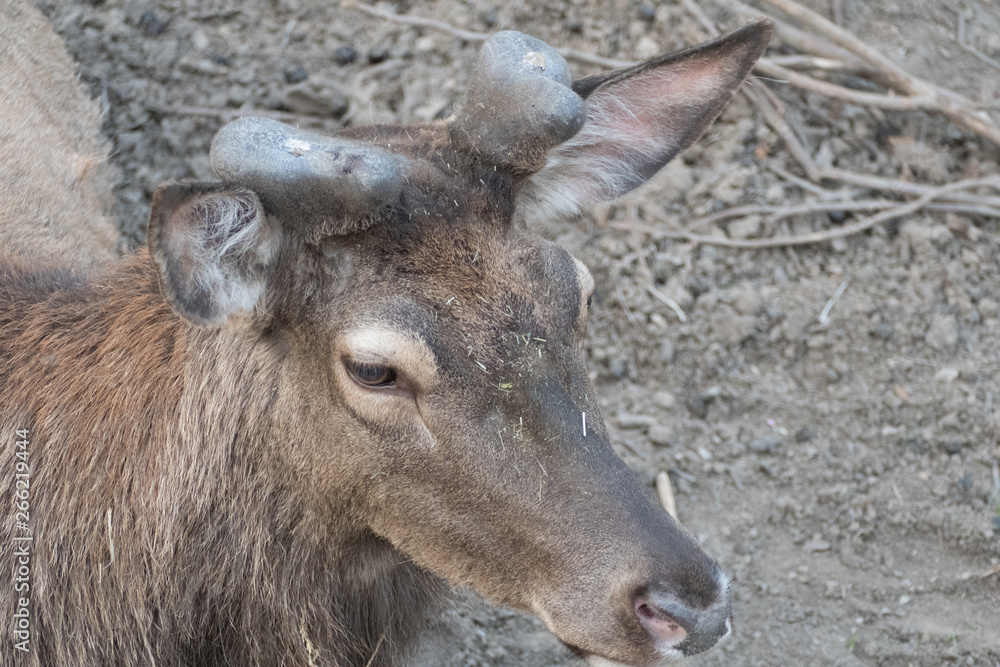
{"type": "Point", "coordinates": [475, 36]}
{"type": "Point", "coordinates": [898, 186]}
{"type": "Point", "coordinates": [776, 213]}
{"type": "Point", "coordinates": [768, 67]}
{"type": "Point", "coordinates": [783, 130]}
{"type": "Point", "coordinates": [666, 493]}
{"type": "Point", "coordinates": [831, 234]}
{"type": "Point", "coordinates": [799, 39]}
{"type": "Point", "coordinates": [947, 102]}
{"type": "Point", "coordinates": [227, 113]}
{"type": "Point", "coordinates": [670, 303]}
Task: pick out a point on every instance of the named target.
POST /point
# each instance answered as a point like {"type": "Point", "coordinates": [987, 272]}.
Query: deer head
{"type": "Point", "coordinates": [434, 387]}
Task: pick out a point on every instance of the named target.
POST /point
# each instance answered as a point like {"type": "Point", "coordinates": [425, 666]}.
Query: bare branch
{"type": "Point", "coordinates": [768, 67]}
{"type": "Point", "coordinates": [707, 23]}
{"type": "Point", "coordinates": [830, 234]}
{"type": "Point", "coordinates": [951, 104]}
{"type": "Point", "coordinates": [474, 36]}
{"type": "Point", "coordinates": [227, 114]}
{"type": "Point", "coordinates": [776, 213]}
{"type": "Point", "coordinates": [666, 493]}
{"type": "Point", "coordinates": [781, 127]}
{"type": "Point", "coordinates": [417, 22]}
{"type": "Point", "coordinates": [901, 187]}
{"type": "Point", "coordinates": [789, 34]}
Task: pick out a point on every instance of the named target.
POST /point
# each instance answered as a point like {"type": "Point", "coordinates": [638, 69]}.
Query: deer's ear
{"type": "Point", "coordinates": [638, 118]}
{"type": "Point", "coordinates": [213, 247]}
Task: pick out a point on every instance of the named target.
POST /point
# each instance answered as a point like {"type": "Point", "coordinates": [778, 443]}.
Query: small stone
{"type": "Point", "coordinates": [425, 44]}
{"type": "Point", "coordinates": [200, 66]}
{"type": "Point", "coordinates": [744, 228]}
{"type": "Point", "coordinates": [377, 55]}
{"type": "Point", "coordinates": [883, 331]}
{"type": "Point", "coordinates": [200, 40]}
{"type": "Point", "coordinates": [574, 26]}
{"type": "Point", "coordinates": [947, 375]}
{"type": "Point", "coordinates": [630, 421]}
{"type": "Point", "coordinates": [303, 98]}
{"type": "Point", "coordinates": [988, 307]}
{"type": "Point", "coordinates": [729, 327]}
{"type": "Point", "coordinates": [647, 12]}
{"type": "Point", "coordinates": [296, 74]}
{"type": "Point", "coordinates": [746, 301]}
{"type": "Point", "coordinates": [619, 368]}
{"type": "Point", "coordinates": [675, 180]}
{"type": "Point", "coordinates": [345, 55]}
{"type": "Point", "coordinates": [491, 17]}
{"type": "Point", "coordinates": [698, 406]}
{"type": "Point", "coordinates": [151, 24]}
{"type": "Point", "coordinates": [923, 235]}
{"type": "Point", "coordinates": [965, 483]}
{"type": "Point", "coordinates": [647, 48]}
{"type": "Point", "coordinates": [661, 435]}
{"type": "Point", "coordinates": [804, 434]}
{"type": "Point", "coordinates": [935, 517]}
{"type": "Point", "coordinates": [943, 332]}
{"type": "Point", "coordinates": [970, 258]}
{"type": "Point", "coordinates": [767, 469]}
{"type": "Point", "coordinates": [664, 399]}
{"type": "Point", "coordinates": [765, 445]}
{"type": "Point", "coordinates": [816, 545]}
{"type": "Point", "coordinates": [667, 350]}
{"type": "Point", "coordinates": [953, 447]}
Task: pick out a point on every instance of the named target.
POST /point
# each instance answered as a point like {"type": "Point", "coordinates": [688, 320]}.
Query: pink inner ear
{"type": "Point", "coordinates": [652, 113]}
{"type": "Point", "coordinates": [634, 127]}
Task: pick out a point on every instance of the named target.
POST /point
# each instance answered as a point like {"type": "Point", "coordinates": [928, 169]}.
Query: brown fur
{"type": "Point", "coordinates": [55, 187]}
{"type": "Point", "coordinates": [217, 548]}
{"type": "Point", "coordinates": [210, 486]}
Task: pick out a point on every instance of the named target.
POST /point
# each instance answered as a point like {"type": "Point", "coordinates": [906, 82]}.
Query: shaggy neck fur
{"type": "Point", "coordinates": [164, 520]}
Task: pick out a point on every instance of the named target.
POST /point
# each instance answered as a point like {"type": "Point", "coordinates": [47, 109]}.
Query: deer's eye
{"type": "Point", "coordinates": [371, 375]}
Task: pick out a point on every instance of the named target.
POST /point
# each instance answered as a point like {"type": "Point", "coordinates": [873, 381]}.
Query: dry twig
{"type": "Point", "coordinates": [926, 95]}
{"type": "Point", "coordinates": [474, 36]}
{"type": "Point", "coordinates": [781, 127]}
{"type": "Point", "coordinates": [666, 493]}
{"type": "Point", "coordinates": [798, 39]}
{"type": "Point", "coordinates": [227, 114]}
{"type": "Point", "coordinates": [776, 213]}
{"type": "Point", "coordinates": [901, 187]}
{"type": "Point", "coordinates": [864, 224]}
{"type": "Point", "coordinates": [670, 303]}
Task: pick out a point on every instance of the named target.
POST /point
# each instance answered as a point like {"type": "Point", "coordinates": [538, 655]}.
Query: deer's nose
{"type": "Point", "coordinates": [674, 625]}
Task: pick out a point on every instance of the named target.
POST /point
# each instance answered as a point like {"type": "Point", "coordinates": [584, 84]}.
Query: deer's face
{"type": "Point", "coordinates": [438, 343]}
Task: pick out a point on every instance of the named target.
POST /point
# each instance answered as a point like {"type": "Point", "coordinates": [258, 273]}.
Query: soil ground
{"type": "Point", "coordinates": [840, 469]}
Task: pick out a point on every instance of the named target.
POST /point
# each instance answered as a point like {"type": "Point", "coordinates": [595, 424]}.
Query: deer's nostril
{"type": "Point", "coordinates": [664, 627]}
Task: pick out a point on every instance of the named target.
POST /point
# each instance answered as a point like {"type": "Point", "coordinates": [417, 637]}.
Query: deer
{"type": "Point", "coordinates": [55, 200]}
{"type": "Point", "coordinates": [343, 379]}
